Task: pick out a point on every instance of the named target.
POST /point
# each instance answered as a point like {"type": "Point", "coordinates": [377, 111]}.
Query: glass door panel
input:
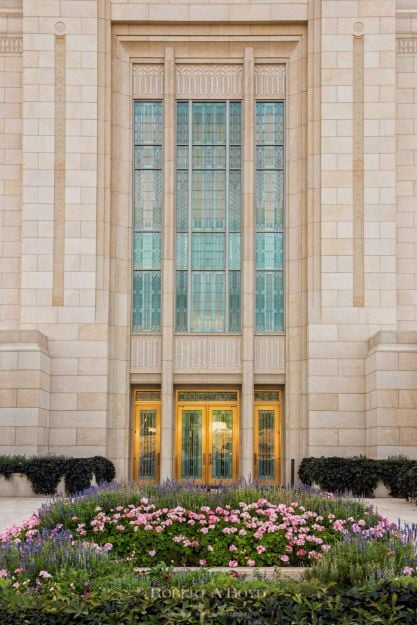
{"type": "Point", "coordinates": [221, 453]}
{"type": "Point", "coordinates": [207, 437]}
{"type": "Point", "coordinates": [192, 440]}
{"type": "Point", "coordinates": [266, 458]}
{"type": "Point", "coordinates": [147, 443]}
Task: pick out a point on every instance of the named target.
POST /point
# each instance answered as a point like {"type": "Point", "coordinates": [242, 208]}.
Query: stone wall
{"type": "Point", "coordinates": [65, 221]}
{"type": "Point", "coordinates": [10, 162]}
{"type": "Point", "coordinates": [25, 367]}
{"type": "Point", "coordinates": [391, 395]}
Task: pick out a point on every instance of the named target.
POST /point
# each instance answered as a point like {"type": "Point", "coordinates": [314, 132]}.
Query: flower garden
{"type": "Point", "coordinates": [81, 558]}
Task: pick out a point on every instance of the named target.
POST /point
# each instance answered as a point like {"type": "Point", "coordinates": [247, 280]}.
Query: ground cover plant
{"type": "Point", "coordinates": [77, 562]}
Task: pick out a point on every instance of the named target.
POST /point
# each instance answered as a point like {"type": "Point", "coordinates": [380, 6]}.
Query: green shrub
{"type": "Point", "coordinates": [360, 475]}
{"type": "Point", "coordinates": [44, 472]}
{"type": "Point", "coordinates": [223, 602]}
{"type": "Point", "coordinates": [10, 465]}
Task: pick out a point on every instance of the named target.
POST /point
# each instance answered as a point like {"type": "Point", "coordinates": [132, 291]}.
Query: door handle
{"type": "Point", "coordinates": [209, 458]}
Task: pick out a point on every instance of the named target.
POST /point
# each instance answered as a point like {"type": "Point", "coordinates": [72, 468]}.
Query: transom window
{"type": "Point", "coordinates": [208, 216]}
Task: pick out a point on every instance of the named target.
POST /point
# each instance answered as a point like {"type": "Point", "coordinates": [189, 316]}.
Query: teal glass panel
{"type": "Point", "coordinates": [222, 444]}
{"type": "Point", "coordinates": [182, 201]}
{"type": "Point", "coordinates": [269, 157]}
{"type": "Point", "coordinates": [269, 200]}
{"type": "Point", "coordinates": [266, 445]}
{"type": "Point", "coordinates": [147, 444]}
{"type": "Point", "coordinates": [182, 250]}
{"type": "Point", "coordinates": [209, 157]}
{"type": "Point", "coordinates": [269, 304]}
{"type": "Point", "coordinates": [146, 301]}
{"type": "Point", "coordinates": [207, 251]}
{"type": "Point", "coordinates": [182, 123]}
{"type": "Point", "coordinates": [208, 200]}
{"type": "Point", "coordinates": [235, 157]}
{"type": "Point", "coordinates": [269, 250]}
{"type": "Point", "coordinates": [192, 445]}
{"type": "Point", "coordinates": [148, 157]}
{"type": "Point", "coordinates": [235, 123]}
{"type": "Point", "coordinates": [214, 174]}
{"type": "Point", "coordinates": [235, 200]}
{"type": "Point", "coordinates": [234, 301]}
{"type": "Point", "coordinates": [209, 123]}
{"type": "Point", "coordinates": [148, 200]}
{"type": "Point", "coordinates": [147, 250]}
{"type": "Point", "coordinates": [182, 157]}
{"type": "Point", "coordinates": [181, 301]}
{"type": "Point", "coordinates": [208, 302]}
{"type": "Point", "coordinates": [269, 123]}
{"type": "Point", "coordinates": [234, 251]}
{"type": "Point", "coordinates": [148, 123]}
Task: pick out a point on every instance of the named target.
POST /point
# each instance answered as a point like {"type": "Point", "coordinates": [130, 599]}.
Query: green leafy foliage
{"type": "Point", "coordinates": [360, 475]}
{"type": "Point", "coordinates": [10, 465]}
{"type": "Point", "coordinates": [222, 600]}
{"type": "Point", "coordinates": [44, 472]}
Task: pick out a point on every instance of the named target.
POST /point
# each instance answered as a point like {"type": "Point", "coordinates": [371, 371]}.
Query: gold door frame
{"type": "Point", "coordinates": [150, 404]}
{"type": "Point", "coordinates": [267, 405]}
{"type": "Point", "coordinates": [207, 407]}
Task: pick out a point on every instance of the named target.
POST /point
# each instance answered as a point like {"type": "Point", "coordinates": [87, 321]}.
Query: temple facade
{"type": "Point", "coordinates": [208, 233]}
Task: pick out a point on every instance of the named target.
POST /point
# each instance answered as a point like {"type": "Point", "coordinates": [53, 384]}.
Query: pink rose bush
{"type": "Point", "coordinates": [252, 534]}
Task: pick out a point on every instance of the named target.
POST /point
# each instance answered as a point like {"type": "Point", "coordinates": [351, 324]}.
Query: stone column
{"type": "Point", "coordinates": [168, 272]}
{"type": "Point", "coordinates": [248, 277]}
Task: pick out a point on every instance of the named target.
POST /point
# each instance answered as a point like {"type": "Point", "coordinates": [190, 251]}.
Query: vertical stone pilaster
{"type": "Point", "coordinates": [358, 171]}
{"type": "Point", "coordinates": [168, 272]}
{"type": "Point", "coordinates": [248, 274]}
{"type": "Point", "coordinates": [59, 171]}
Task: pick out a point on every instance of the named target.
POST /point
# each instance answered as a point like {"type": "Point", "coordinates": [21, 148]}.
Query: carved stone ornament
{"type": "Point", "coordinates": [10, 44]}
{"type": "Point", "coordinates": [148, 81]}
{"type": "Point", "coordinates": [209, 81]}
{"type": "Point", "coordinates": [270, 81]}
{"type": "Point", "coordinates": [406, 45]}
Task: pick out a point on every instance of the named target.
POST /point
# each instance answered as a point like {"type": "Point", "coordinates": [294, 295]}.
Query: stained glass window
{"type": "Point", "coordinates": [148, 194]}
{"type": "Point", "coordinates": [269, 216]}
{"type": "Point", "coordinates": [208, 216]}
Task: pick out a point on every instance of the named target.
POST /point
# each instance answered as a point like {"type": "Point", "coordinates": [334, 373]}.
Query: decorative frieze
{"type": "Point", "coordinates": [270, 81]}
{"type": "Point", "coordinates": [199, 354]}
{"type": "Point", "coordinates": [10, 44]}
{"type": "Point", "coordinates": [407, 45]}
{"type": "Point", "coordinates": [209, 81]}
{"type": "Point", "coordinates": [269, 354]}
{"type": "Point", "coordinates": [148, 81]}
{"type": "Point", "coordinates": [146, 353]}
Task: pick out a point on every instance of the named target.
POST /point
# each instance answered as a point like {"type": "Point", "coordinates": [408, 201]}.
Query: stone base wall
{"type": "Point", "coordinates": [25, 367]}
{"type": "Point", "coordinates": [391, 395]}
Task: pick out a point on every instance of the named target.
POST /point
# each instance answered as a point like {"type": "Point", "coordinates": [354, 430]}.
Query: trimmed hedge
{"type": "Point", "coordinates": [360, 475]}
{"type": "Point", "coordinates": [388, 603]}
{"type": "Point", "coordinates": [44, 472]}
